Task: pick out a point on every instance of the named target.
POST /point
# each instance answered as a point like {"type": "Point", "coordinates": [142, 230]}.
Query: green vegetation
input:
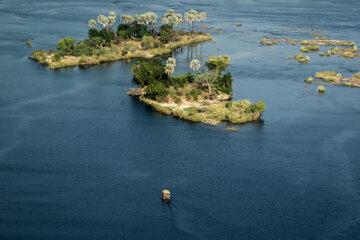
{"type": "Point", "coordinates": [265, 42]}
{"type": "Point", "coordinates": [309, 80]}
{"type": "Point", "coordinates": [310, 48]}
{"type": "Point", "coordinates": [356, 76]}
{"type": "Point", "coordinates": [328, 76]}
{"type": "Point", "coordinates": [321, 89]}
{"type": "Point", "coordinates": [301, 59]}
{"type": "Point", "coordinates": [202, 96]}
{"type": "Point", "coordinates": [134, 37]}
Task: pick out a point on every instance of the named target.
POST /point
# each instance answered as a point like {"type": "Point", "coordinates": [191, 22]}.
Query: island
{"type": "Point", "coordinates": [136, 36]}
{"type": "Point", "coordinates": [198, 96]}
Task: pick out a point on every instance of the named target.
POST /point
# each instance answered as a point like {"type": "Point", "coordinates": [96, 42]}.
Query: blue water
{"type": "Point", "coordinates": [79, 159]}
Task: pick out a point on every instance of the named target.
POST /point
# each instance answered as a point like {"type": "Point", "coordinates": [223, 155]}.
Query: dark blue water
{"type": "Point", "coordinates": [79, 159]}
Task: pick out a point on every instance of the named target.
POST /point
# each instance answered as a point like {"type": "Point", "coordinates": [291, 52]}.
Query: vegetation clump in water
{"type": "Point", "coordinates": [265, 42]}
{"type": "Point", "coordinates": [321, 89]}
{"type": "Point", "coordinates": [201, 96]}
{"type": "Point", "coordinates": [301, 59]}
{"type": "Point", "coordinates": [135, 37]}
{"type": "Point", "coordinates": [310, 48]}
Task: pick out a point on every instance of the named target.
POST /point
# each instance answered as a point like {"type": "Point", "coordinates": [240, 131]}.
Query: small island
{"type": "Point", "coordinates": [135, 37]}
{"type": "Point", "coordinates": [201, 96]}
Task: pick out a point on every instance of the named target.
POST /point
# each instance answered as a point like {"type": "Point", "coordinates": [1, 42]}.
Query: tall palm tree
{"type": "Point", "coordinates": [195, 65]}
{"type": "Point", "coordinates": [92, 23]}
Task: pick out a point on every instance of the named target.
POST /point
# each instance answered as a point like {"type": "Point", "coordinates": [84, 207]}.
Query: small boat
{"type": "Point", "coordinates": [165, 195]}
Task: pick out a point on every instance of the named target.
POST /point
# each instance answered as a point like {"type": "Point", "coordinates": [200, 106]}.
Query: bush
{"type": "Point", "coordinates": [57, 57]}
{"type": "Point", "coordinates": [129, 47]}
{"type": "Point", "coordinates": [218, 62]}
{"type": "Point", "coordinates": [147, 42]}
{"type": "Point", "coordinates": [66, 44]}
{"type": "Point", "coordinates": [147, 72]}
{"type": "Point", "coordinates": [194, 95]}
{"type": "Point", "coordinates": [82, 49]}
{"type": "Point", "coordinates": [156, 90]}
{"type": "Point", "coordinates": [321, 88]}
{"type": "Point", "coordinates": [165, 37]}
{"type": "Point", "coordinates": [257, 107]}
{"type": "Point", "coordinates": [357, 76]}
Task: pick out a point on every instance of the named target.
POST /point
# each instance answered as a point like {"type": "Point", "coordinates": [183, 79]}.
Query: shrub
{"type": "Point", "coordinates": [81, 49]}
{"type": "Point", "coordinates": [194, 95]}
{"type": "Point", "coordinates": [357, 76]}
{"type": "Point", "coordinates": [156, 90]}
{"type": "Point", "coordinates": [310, 48]}
{"type": "Point", "coordinates": [129, 47]}
{"type": "Point", "coordinates": [165, 37]}
{"type": "Point", "coordinates": [309, 80]}
{"type": "Point", "coordinates": [66, 44]}
{"type": "Point", "coordinates": [147, 42]}
{"type": "Point", "coordinates": [57, 57]}
{"type": "Point", "coordinates": [218, 62]}
{"type": "Point", "coordinates": [257, 107]}
{"type": "Point", "coordinates": [321, 88]}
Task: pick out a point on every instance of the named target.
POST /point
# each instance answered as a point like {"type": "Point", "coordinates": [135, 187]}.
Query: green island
{"type": "Point", "coordinates": [135, 37]}
{"type": "Point", "coordinates": [202, 96]}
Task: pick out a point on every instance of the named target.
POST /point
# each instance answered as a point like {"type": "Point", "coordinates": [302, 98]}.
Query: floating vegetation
{"type": "Point", "coordinates": [319, 35]}
{"type": "Point", "coordinates": [206, 27]}
{"type": "Point", "coordinates": [356, 76]}
{"type": "Point", "coordinates": [326, 42]}
{"type": "Point", "coordinates": [232, 129]}
{"type": "Point", "coordinates": [333, 78]}
{"type": "Point", "coordinates": [265, 42]}
{"type": "Point", "coordinates": [321, 89]}
{"type": "Point", "coordinates": [309, 80]}
{"type": "Point", "coordinates": [321, 54]}
{"type": "Point", "coordinates": [310, 48]}
{"type": "Point", "coordinates": [237, 24]}
{"type": "Point", "coordinates": [301, 59]}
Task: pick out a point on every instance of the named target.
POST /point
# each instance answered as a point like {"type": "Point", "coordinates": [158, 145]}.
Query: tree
{"type": "Point", "coordinates": [190, 17]}
{"type": "Point", "coordinates": [156, 90]}
{"type": "Point", "coordinates": [103, 21]}
{"type": "Point", "coordinates": [95, 42]}
{"type": "Point", "coordinates": [92, 23]}
{"type": "Point", "coordinates": [146, 72]}
{"type": "Point", "coordinates": [208, 78]}
{"type": "Point", "coordinates": [195, 65]}
{"type": "Point", "coordinates": [112, 18]}
{"type": "Point", "coordinates": [171, 18]}
{"type": "Point", "coordinates": [170, 66]}
{"type": "Point", "coordinates": [66, 44]}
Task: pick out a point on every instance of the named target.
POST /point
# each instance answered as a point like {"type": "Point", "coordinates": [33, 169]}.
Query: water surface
{"type": "Point", "coordinates": [79, 159]}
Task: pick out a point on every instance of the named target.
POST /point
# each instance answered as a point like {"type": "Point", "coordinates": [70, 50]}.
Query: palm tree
{"type": "Point", "coordinates": [170, 66]}
{"type": "Point", "coordinates": [195, 65]}
{"type": "Point", "coordinates": [103, 21]}
{"type": "Point", "coordinates": [112, 18]}
{"type": "Point", "coordinates": [190, 17]}
{"type": "Point", "coordinates": [92, 23]}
